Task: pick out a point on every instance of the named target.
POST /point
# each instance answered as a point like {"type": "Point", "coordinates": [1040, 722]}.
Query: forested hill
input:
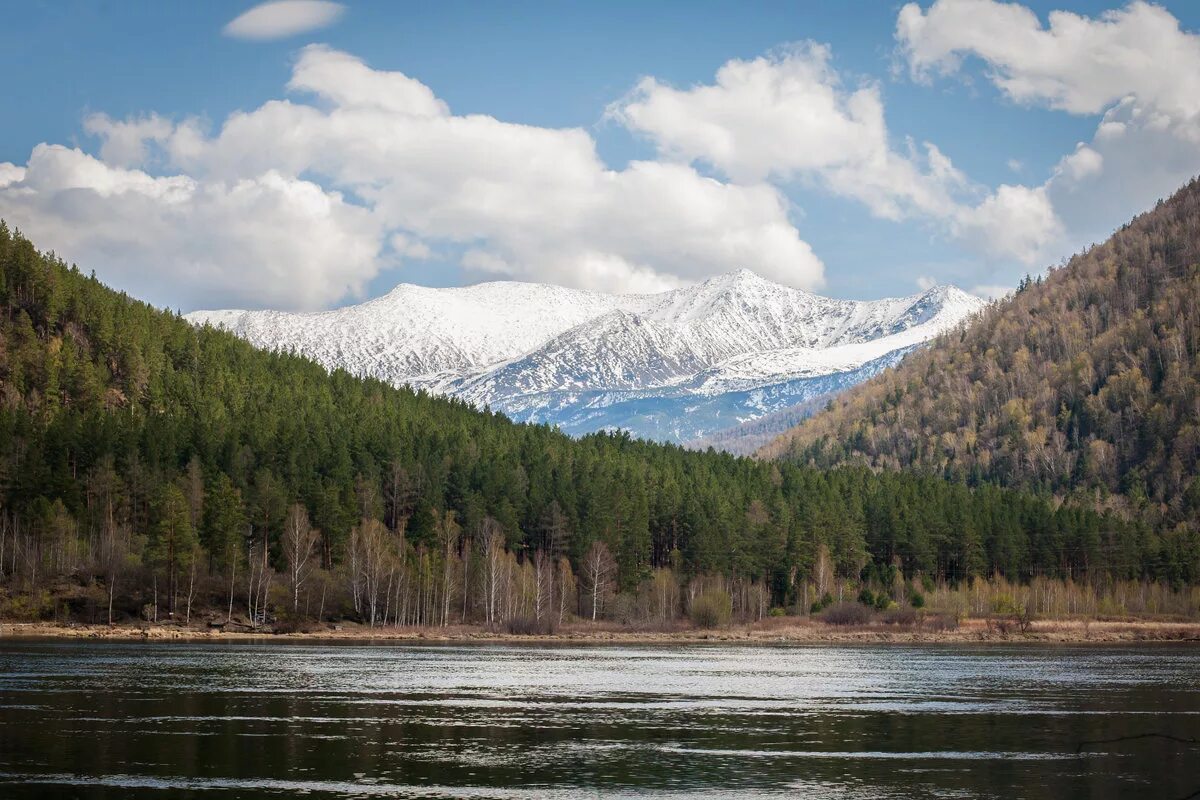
{"type": "Point", "coordinates": [134, 443]}
{"type": "Point", "coordinates": [1084, 382]}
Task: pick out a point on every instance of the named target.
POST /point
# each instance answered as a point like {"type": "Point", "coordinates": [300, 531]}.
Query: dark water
{"type": "Point", "coordinates": [88, 719]}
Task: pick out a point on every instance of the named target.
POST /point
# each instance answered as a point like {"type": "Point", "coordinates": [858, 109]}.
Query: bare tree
{"type": "Point", "coordinates": [666, 594]}
{"type": "Point", "coordinates": [543, 584]}
{"type": "Point", "coordinates": [114, 557]}
{"type": "Point", "coordinates": [375, 559]}
{"type": "Point", "coordinates": [259, 577]}
{"type": "Point", "coordinates": [193, 556]}
{"type": "Point", "coordinates": [598, 571]}
{"type": "Point", "coordinates": [566, 587]}
{"type": "Point", "coordinates": [448, 532]}
{"type": "Point", "coordinates": [491, 541]}
{"type": "Point", "coordinates": [299, 543]}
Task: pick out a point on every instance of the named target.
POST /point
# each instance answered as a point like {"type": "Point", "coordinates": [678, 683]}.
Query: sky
{"type": "Point", "coordinates": [307, 154]}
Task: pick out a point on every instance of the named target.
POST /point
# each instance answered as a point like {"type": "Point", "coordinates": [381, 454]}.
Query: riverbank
{"type": "Point", "coordinates": [766, 632]}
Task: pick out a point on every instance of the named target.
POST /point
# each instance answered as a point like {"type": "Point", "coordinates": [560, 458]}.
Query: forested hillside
{"type": "Point", "coordinates": [1085, 383]}
{"type": "Point", "coordinates": [152, 465]}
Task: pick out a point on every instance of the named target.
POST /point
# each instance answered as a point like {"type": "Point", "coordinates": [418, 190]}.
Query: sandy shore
{"type": "Point", "coordinates": [766, 632]}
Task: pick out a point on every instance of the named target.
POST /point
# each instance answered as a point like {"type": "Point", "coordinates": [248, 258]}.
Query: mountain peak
{"type": "Point", "coordinates": [739, 278]}
{"type": "Point", "coordinates": [540, 352]}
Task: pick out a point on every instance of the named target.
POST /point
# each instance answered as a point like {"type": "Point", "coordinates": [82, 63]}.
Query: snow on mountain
{"type": "Point", "coordinates": [676, 365]}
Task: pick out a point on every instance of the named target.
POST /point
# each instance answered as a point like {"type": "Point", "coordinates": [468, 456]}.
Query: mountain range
{"type": "Point", "coordinates": [673, 366]}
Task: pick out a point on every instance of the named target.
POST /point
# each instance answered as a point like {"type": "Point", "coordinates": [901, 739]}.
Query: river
{"type": "Point", "coordinates": [114, 719]}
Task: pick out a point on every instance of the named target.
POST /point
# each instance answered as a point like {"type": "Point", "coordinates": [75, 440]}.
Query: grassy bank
{"type": "Point", "coordinates": [765, 632]}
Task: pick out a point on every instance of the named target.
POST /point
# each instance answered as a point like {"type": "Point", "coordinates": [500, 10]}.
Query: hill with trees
{"type": "Point", "coordinates": [1084, 384]}
{"type": "Point", "coordinates": [149, 467]}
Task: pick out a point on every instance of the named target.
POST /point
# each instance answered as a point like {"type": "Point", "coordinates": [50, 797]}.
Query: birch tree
{"type": "Point", "coordinates": [598, 571]}
{"type": "Point", "coordinates": [299, 543]}
{"type": "Point", "coordinates": [491, 542]}
{"type": "Point", "coordinates": [566, 588]}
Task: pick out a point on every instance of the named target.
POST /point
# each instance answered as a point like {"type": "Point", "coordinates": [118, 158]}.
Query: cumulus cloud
{"type": "Point", "coordinates": [1078, 64]}
{"type": "Point", "coordinates": [1135, 67]}
{"type": "Point", "coordinates": [271, 237]}
{"type": "Point", "coordinates": [789, 117]}
{"type": "Point", "coordinates": [301, 201]}
{"type": "Point", "coordinates": [282, 18]}
{"type": "Point", "coordinates": [10, 173]}
{"type": "Point", "coordinates": [1014, 222]}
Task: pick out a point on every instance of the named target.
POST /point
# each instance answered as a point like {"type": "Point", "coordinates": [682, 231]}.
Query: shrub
{"type": "Point", "coordinates": [777, 611]}
{"type": "Point", "coordinates": [847, 614]}
{"type": "Point", "coordinates": [531, 626]}
{"type": "Point", "coordinates": [883, 602]}
{"type": "Point", "coordinates": [1004, 604]}
{"type": "Point", "coordinates": [916, 600]}
{"type": "Point", "coordinates": [712, 609]}
{"type": "Point", "coordinates": [941, 622]}
{"type": "Point", "coordinates": [823, 603]}
{"type": "Point", "coordinates": [900, 615]}
{"type": "Point", "coordinates": [295, 624]}
{"type": "Point", "coordinates": [27, 607]}
{"type": "Point", "coordinates": [866, 597]}
{"type": "Point", "coordinates": [623, 608]}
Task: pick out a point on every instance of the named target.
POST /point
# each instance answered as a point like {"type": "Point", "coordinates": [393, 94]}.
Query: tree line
{"type": "Point", "coordinates": [154, 467]}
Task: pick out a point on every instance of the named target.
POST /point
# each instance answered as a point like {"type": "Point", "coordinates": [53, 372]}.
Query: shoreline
{"type": "Point", "coordinates": [971, 631]}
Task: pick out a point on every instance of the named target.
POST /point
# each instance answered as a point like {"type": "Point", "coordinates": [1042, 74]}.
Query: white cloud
{"type": "Point", "coordinates": [410, 178]}
{"type": "Point", "coordinates": [349, 83]}
{"type": "Point", "coordinates": [410, 247]}
{"type": "Point", "coordinates": [125, 140]}
{"type": "Point", "coordinates": [1078, 64]}
{"type": "Point", "coordinates": [1014, 222]}
{"type": "Point", "coordinates": [1082, 163]}
{"type": "Point", "coordinates": [269, 237]}
{"type": "Point", "coordinates": [10, 173]}
{"type": "Point", "coordinates": [1135, 67]}
{"type": "Point", "coordinates": [788, 117]}
{"type": "Point", "coordinates": [283, 18]}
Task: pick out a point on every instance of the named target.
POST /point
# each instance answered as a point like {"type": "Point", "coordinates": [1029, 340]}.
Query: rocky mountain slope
{"type": "Point", "coordinates": [671, 366]}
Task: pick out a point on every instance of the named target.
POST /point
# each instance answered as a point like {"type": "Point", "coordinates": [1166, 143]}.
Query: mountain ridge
{"type": "Point", "coordinates": [544, 353]}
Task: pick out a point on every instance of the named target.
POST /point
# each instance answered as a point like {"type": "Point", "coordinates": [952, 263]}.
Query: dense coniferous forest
{"type": "Point", "coordinates": [1084, 384]}
{"type": "Point", "coordinates": [149, 468]}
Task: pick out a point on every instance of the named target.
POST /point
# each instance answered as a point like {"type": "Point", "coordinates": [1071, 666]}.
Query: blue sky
{"type": "Point", "coordinates": [558, 66]}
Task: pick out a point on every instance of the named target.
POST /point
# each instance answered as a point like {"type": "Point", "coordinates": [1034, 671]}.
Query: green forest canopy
{"type": "Point", "coordinates": [115, 413]}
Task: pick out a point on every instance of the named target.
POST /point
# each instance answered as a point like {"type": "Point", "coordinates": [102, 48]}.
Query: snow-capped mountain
{"type": "Point", "coordinates": [676, 365]}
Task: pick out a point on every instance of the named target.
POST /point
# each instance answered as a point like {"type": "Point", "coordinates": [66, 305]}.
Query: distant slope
{"type": "Point", "coordinates": [750, 437]}
{"type": "Point", "coordinates": [669, 366]}
{"type": "Point", "coordinates": [1087, 380]}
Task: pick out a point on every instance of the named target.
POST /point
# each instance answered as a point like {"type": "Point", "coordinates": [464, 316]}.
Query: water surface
{"type": "Point", "coordinates": [150, 720]}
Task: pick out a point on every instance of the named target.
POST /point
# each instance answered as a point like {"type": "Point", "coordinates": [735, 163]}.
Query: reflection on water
{"type": "Point", "coordinates": [87, 719]}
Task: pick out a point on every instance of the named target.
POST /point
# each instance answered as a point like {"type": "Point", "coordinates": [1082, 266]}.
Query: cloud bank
{"type": "Point", "coordinates": [1133, 67]}
{"type": "Point", "coordinates": [300, 202]}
